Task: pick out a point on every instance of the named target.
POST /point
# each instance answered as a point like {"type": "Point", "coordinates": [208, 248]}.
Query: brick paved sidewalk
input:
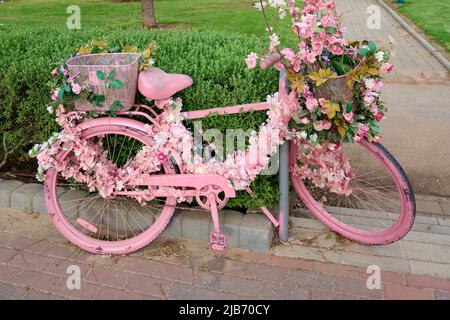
{"type": "Point", "coordinates": [34, 260]}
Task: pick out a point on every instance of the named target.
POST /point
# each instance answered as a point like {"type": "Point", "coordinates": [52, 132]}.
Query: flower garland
{"type": "Point", "coordinates": [88, 162]}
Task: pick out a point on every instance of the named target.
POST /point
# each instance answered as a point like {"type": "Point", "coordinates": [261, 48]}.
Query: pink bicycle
{"type": "Point", "coordinates": [117, 222]}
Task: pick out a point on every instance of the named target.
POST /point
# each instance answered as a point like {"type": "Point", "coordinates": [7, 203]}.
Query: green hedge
{"type": "Point", "coordinates": [215, 61]}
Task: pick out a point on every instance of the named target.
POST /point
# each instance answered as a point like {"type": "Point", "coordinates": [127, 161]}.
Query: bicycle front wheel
{"type": "Point", "coordinates": [115, 225]}
{"type": "Point", "coordinates": [380, 209]}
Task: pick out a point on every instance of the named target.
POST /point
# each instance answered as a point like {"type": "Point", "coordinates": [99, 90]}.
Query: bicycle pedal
{"type": "Point", "coordinates": [218, 241]}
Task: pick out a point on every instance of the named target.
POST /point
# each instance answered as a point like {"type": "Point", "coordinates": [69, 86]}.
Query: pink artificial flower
{"type": "Point", "coordinates": [312, 104]}
{"type": "Point", "coordinates": [369, 99]}
{"type": "Point", "coordinates": [55, 95]}
{"type": "Point", "coordinates": [362, 130]}
{"type": "Point", "coordinates": [251, 60]}
{"type": "Point", "coordinates": [63, 71]}
{"type": "Point", "coordinates": [386, 68]}
{"type": "Point", "coordinates": [379, 116]}
{"type": "Point", "coordinates": [378, 86]}
{"type": "Point", "coordinates": [274, 42]}
{"type": "Point", "coordinates": [54, 73]}
{"type": "Point", "coordinates": [322, 125]}
{"type": "Point", "coordinates": [374, 108]}
{"type": "Point", "coordinates": [348, 117]}
{"type": "Point", "coordinates": [322, 101]}
{"type": "Point", "coordinates": [289, 54]}
{"type": "Point", "coordinates": [335, 49]}
{"type": "Point", "coordinates": [162, 157]}
{"type": "Point", "coordinates": [304, 120]}
{"type": "Point", "coordinates": [327, 21]}
{"type": "Point", "coordinates": [370, 83]}
{"type": "Point", "coordinates": [76, 88]}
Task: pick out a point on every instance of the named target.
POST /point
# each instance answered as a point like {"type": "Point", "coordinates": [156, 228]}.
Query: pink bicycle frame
{"type": "Point", "coordinates": [283, 86]}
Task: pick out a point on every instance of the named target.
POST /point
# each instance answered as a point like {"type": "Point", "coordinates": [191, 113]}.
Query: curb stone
{"type": "Point", "coordinates": [6, 188]}
{"type": "Point", "coordinates": [425, 43]}
{"type": "Point", "coordinates": [22, 198]}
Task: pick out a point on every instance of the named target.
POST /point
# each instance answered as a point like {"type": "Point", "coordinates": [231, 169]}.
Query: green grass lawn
{"type": "Point", "coordinates": [222, 15]}
{"type": "Point", "coordinates": [432, 16]}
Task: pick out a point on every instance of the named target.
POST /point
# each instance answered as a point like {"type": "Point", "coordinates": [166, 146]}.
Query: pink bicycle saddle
{"type": "Point", "coordinates": [155, 84]}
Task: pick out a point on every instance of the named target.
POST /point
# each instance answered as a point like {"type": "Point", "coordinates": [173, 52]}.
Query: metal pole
{"type": "Point", "coordinates": [284, 192]}
{"type": "Point", "coordinates": [284, 174]}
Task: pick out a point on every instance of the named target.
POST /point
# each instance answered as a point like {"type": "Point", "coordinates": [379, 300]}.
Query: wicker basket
{"type": "Point", "coordinates": [126, 68]}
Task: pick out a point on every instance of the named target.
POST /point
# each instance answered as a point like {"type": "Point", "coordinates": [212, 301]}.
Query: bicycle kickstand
{"type": "Point", "coordinates": [217, 240]}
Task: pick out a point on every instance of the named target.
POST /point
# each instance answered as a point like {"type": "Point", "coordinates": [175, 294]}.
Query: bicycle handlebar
{"type": "Point", "coordinates": [270, 60]}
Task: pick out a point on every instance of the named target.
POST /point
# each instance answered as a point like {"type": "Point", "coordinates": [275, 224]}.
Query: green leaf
{"type": "Point", "coordinates": [67, 88]}
{"type": "Point", "coordinates": [375, 126]}
{"type": "Point", "coordinates": [96, 49]}
{"type": "Point", "coordinates": [372, 47]}
{"type": "Point", "coordinates": [117, 84]}
{"type": "Point", "coordinates": [349, 107]}
{"type": "Point", "coordinates": [61, 94]}
{"type": "Point", "coordinates": [330, 30]}
{"type": "Point", "coordinates": [114, 107]}
{"type": "Point", "coordinates": [100, 75]}
{"type": "Point", "coordinates": [111, 75]}
{"type": "Point", "coordinates": [97, 100]}
{"type": "Point", "coordinates": [340, 67]}
{"type": "Point", "coordinates": [364, 52]}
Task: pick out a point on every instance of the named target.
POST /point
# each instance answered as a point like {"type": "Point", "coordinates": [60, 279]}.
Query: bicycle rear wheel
{"type": "Point", "coordinates": [115, 225]}
{"type": "Point", "coordinates": [381, 208]}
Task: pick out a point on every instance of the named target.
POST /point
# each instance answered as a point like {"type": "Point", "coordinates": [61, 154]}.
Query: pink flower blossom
{"type": "Point", "coordinates": [162, 157]}
{"type": "Point", "coordinates": [386, 68]}
{"type": "Point", "coordinates": [63, 71]}
{"type": "Point", "coordinates": [379, 116]}
{"type": "Point", "coordinates": [370, 83]}
{"type": "Point", "coordinates": [54, 73]}
{"type": "Point", "coordinates": [76, 88]}
{"type": "Point", "coordinates": [369, 99]}
{"type": "Point", "coordinates": [251, 60]}
{"type": "Point", "coordinates": [312, 104]}
{"type": "Point", "coordinates": [55, 95]}
{"type": "Point", "coordinates": [322, 125]}
{"type": "Point", "coordinates": [378, 86]}
{"type": "Point", "coordinates": [327, 21]}
{"type": "Point", "coordinates": [304, 120]}
{"type": "Point", "coordinates": [362, 130]}
{"type": "Point", "coordinates": [348, 117]}
{"type": "Point", "coordinates": [274, 42]}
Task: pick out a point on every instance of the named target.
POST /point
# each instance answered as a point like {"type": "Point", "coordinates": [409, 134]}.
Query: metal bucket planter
{"type": "Point", "coordinates": [336, 89]}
